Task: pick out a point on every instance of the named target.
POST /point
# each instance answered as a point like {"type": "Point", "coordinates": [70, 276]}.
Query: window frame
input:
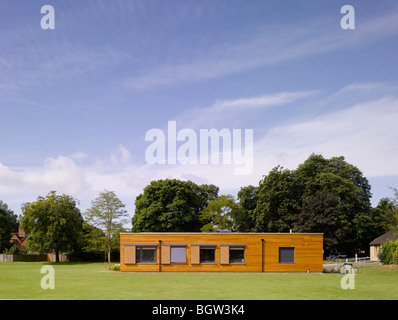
{"type": "Point", "coordinates": [207, 247]}
{"type": "Point", "coordinates": [179, 247]}
{"type": "Point", "coordinates": [287, 262]}
{"type": "Point", "coordinates": [237, 248]}
{"type": "Point", "coordinates": [139, 248]}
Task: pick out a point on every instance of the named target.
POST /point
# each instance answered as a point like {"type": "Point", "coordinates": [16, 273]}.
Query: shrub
{"type": "Point", "coordinates": [13, 250]}
{"type": "Point", "coordinates": [389, 253]}
{"type": "Point", "coordinates": [115, 267]}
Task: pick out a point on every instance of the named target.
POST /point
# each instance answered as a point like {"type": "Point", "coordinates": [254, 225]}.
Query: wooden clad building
{"type": "Point", "coordinates": [214, 252]}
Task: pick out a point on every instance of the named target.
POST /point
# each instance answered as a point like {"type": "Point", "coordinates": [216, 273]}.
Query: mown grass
{"type": "Point", "coordinates": [92, 281]}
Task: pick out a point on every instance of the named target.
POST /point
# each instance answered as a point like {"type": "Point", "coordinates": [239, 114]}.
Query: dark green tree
{"type": "Point", "coordinates": [320, 213]}
{"type": "Point", "coordinates": [244, 217]}
{"type": "Point", "coordinates": [8, 224]}
{"type": "Point", "coordinates": [322, 195]}
{"type": "Point", "coordinates": [278, 201]}
{"type": "Point", "coordinates": [347, 183]}
{"type": "Point", "coordinates": [53, 223]}
{"type": "Point", "coordinates": [171, 206]}
{"type": "Point", "coordinates": [385, 216]}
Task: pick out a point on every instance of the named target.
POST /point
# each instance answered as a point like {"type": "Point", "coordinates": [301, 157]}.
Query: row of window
{"type": "Point", "coordinates": [179, 254]}
{"type": "Point", "coordinates": [207, 254]}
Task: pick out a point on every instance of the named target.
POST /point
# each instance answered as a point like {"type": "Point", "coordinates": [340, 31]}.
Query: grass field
{"type": "Point", "coordinates": [21, 280]}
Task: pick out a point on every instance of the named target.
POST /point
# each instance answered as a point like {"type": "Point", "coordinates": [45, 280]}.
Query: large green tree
{"type": "Point", "coordinates": [320, 212]}
{"type": "Point", "coordinates": [278, 201]}
{"type": "Point", "coordinates": [321, 195]}
{"type": "Point", "coordinates": [219, 214]}
{"type": "Point", "coordinates": [244, 217]}
{"type": "Point", "coordinates": [8, 224]}
{"type": "Point", "coordinates": [385, 215]}
{"type": "Point", "coordinates": [172, 205]}
{"type": "Point", "coordinates": [347, 183]}
{"type": "Point", "coordinates": [107, 214]}
{"type": "Point", "coordinates": [53, 223]}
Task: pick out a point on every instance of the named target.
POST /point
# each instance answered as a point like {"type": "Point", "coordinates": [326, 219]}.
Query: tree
{"type": "Point", "coordinates": [385, 215]}
{"type": "Point", "coordinates": [92, 239]}
{"type": "Point", "coordinates": [322, 195]}
{"type": "Point", "coordinates": [206, 193]}
{"type": "Point", "coordinates": [278, 201]}
{"type": "Point", "coordinates": [53, 223]}
{"type": "Point", "coordinates": [171, 206]}
{"type": "Point", "coordinates": [8, 224]}
{"type": "Point", "coordinates": [219, 214]}
{"type": "Point", "coordinates": [244, 216]}
{"type": "Point", "coordinates": [107, 214]}
{"type": "Point", "coordinates": [346, 182]}
{"type": "Point", "coordinates": [320, 213]}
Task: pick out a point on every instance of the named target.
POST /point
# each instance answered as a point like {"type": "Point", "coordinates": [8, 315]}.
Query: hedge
{"type": "Point", "coordinates": [389, 253]}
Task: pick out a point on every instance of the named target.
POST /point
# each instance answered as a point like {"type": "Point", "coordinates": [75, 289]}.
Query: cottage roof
{"type": "Point", "coordinates": [388, 236]}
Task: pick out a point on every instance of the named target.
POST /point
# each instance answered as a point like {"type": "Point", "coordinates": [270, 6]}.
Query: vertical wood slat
{"type": "Point", "coordinates": [195, 254]}
{"type": "Point", "coordinates": [129, 254]}
{"type": "Point", "coordinates": [259, 255]}
{"type": "Point", "coordinates": [224, 255]}
{"type": "Point", "coordinates": [165, 255]}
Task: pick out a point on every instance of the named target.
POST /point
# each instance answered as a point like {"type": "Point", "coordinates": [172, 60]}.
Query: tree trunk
{"type": "Point", "coordinates": [56, 256]}
{"type": "Point", "coordinates": [109, 256]}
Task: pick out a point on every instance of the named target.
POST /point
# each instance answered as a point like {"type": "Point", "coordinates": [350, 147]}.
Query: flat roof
{"type": "Point", "coordinates": [214, 233]}
{"type": "Point", "coordinates": [388, 236]}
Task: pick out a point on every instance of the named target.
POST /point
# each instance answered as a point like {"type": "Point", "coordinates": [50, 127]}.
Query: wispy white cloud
{"type": "Point", "coordinates": [123, 155]}
{"type": "Point", "coordinates": [29, 65]}
{"type": "Point", "coordinates": [224, 110]}
{"type": "Point", "coordinates": [271, 45]}
{"type": "Point", "coordinates": [365, 132]}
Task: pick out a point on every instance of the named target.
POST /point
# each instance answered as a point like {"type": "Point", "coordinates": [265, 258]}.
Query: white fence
{"type": "Point", "coordinates": [357, 262]}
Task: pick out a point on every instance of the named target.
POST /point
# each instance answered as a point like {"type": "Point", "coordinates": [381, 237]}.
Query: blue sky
{"type": "Point", "coordinates": [77, 101]}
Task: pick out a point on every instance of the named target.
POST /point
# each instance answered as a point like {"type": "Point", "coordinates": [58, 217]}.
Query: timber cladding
{"type": "Point", "coordinates": [215, 252]}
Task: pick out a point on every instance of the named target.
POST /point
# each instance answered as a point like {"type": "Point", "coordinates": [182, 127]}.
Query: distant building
{"type": "Point", "coordinates": [19, 239]}
{"type": "Point", "coordinates": [375, 245]}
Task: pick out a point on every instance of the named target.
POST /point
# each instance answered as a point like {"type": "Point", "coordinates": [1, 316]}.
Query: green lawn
{"type": "Point", "coordinates": [21, 280]}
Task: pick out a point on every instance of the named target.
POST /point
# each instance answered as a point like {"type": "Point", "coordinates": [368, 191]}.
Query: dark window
{"type": "Point", "coordinates": [207, 254]}
{"type": "Point", "coordinates": [236, 254]}
{"type": "Point", "coordinates": [286, 255]}
{"type": "Point", "coordinates": [178, 254]}
{"type": "Point", "coordinates": [145, 255]}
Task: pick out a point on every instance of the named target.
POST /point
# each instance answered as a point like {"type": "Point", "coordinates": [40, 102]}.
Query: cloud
{"type": "Point", "coordinates": [123, 156]}
{"type": "Point", "coordinates": [365, 133]}
{"type": "Point", "coordinates": [224, 110]}
{"type": "Point", "coordinates": [29, 64]}
{"type": "Point", "coordinates": [263, 101]}
{"type": "Point", "coordinates": [56, 173]}
{"type": "Point", "coordinates": [347, 124]}
{"type": "Point", "coordinates": [268, 46]}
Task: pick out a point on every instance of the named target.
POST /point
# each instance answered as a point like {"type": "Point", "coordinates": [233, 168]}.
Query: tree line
{"type": "Point", "coordinates": [55, 224]}
{"type": "Point", "coordinates": [328, 196]}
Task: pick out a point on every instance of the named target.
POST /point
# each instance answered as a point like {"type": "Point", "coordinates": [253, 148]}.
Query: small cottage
{"type": "Point", "coordinates": [375, 245]}
{"type": "Point", "coordinates": [19, 239]}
